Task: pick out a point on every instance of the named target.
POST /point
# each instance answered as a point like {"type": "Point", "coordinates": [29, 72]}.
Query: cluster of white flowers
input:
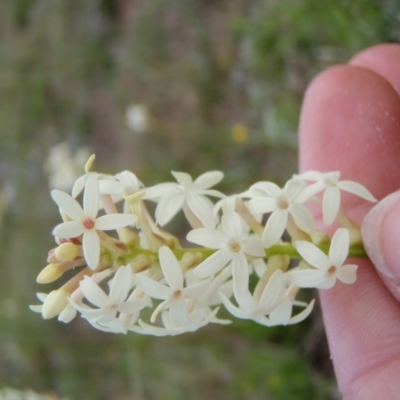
{"type": "Point", "coordinates": [140, 278]}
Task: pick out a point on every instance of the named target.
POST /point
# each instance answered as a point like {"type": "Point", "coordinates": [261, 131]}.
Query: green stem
{"type": "Point", "coordinates": [355, 251]}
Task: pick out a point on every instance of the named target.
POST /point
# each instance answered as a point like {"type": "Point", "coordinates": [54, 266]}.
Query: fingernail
{"type": "Point", "coordinates": [381, 236]}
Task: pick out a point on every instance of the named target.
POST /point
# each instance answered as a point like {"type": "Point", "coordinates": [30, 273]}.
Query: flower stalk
{"type": "Point", "coordinates": [266, 232]}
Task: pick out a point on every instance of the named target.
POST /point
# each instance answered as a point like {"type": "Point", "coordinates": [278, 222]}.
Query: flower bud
{"type": "Point", "coordinates": [66, 252]}
{"type": "Point", "coordinates": [50, 273]}
{"type": "Point", "coordinates": [55, 302]}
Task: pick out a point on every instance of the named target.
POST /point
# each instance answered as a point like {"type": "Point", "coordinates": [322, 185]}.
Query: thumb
{"type": "Point", "coordinates": [381, 236]}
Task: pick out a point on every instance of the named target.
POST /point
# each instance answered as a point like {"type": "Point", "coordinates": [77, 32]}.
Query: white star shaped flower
{"type": "Point", "coordinates": [173, 196]}
{"type": "Point", "coordinates": [173, 293]}
{"type": "Point", "coordinates": [233, 244]}
{"type": "Point", "coordinates": [281, 203]}
{"type": "Point", "coordinates": [282, 315]}
{"type": "Point", "coordinates": [195, 320]}
{"type": "Point", "coordinates": [123, 184]}
{"type": "Point", "coordinates": [84, 221]}
{"type": "Point", "coordinates": [262, 303]}
{"type": "Point", "coordinates": [108, 306]}
{"type": "Point", "coordinates": [327, 268]}
{"type": "Point", "coordinates": [330, 183]}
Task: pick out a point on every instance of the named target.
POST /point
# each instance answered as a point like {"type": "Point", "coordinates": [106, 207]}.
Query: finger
{"type": "Point", "coordinates": [350, 122]}
{"type": "Point", "coordinates": [384, 59]}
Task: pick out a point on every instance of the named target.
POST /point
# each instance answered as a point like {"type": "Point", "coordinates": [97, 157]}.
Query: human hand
{"type": "Point", "coordinates": [350, 122]}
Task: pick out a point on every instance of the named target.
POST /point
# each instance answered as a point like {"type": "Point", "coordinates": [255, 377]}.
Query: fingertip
{"type": "Point", "coordinates": [383, 59]}
{"type": "Point", "coordinates": [350, 121]}
{"type": "Point", "coordinates": [381, 237]}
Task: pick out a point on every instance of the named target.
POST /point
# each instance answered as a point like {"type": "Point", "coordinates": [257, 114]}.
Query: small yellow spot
{"type": "Point", "coordinates": [240, 133]}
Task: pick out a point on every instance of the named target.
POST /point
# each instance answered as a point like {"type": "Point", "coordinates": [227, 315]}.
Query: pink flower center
{"type": "Point", "coordinates": [88, 223]}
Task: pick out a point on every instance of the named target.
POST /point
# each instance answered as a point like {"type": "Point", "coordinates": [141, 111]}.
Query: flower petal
{"type": "Point", "coordinates": [161, 190]}
{"type": "Point", "coordinates": [313, 255]}
{"type": "Point", "coordinates": [269, 188]}
{"type": "Point", "coordinates": [312, 175]}
{"type": "Point", "coordinates": [261, 205]}
{"type": "Point", "coordinates": [281, 314]}
{"type": "Point", "coordinates": [339, 248]}
{"type": "Point", "coordinates": [178, 314]}
{"type": "Point", "coordinates": [232, 225]}
{"type": "Point", "coordinates": [68, 204]}
{"type": "Point", "coordinates": [292, 188]}
{"type": "Point", "coordinates": [91, 248]}
{"type": "Point", "coordinates": [168, 207]}
{"type": "Point", "coordinates": [275, 227]}
{"type": "Point", "coordinates": [171, 268]}
{"type": "Point", "coordinates": [253, 246]}
{"type": "Point", "coordinates": [91, 197]}
{"type": "Point", "coordinates": [208, 179]}
{"type": "Point", "coordinates": [110, 186]}
{"type": "Point", "coordinates": [114, 221]}
{"type": "Point", "coordinates": [208, 238]}
{"type": "Point", "coordinates": [182, 178]}
{"type": "Point", "coordinates": [273, 292]}
{"type": "Point", "coordinates": [357, 189]}
{"type": "Point", "coordinates": [67, 230]}
{"type": "Point", "coordinates": [152, 288]}
{"type": "Point", "coordinates": [235, 311]}
{"type": "Point", "coordinates": [306, 278]}
{"type": "Point", "coordinates": [202, 208]}
{"type": "Point", "coordinates": [240, 274]}
{"type": "Point", "coordinates": [196, 290]}
{"type": "Point", "coordinates": [94, 293]}
{"type": "Point", "coordinates": [330, 204]}
{"type": "Point", "coordinates": [302, 217]}
{"type": "Point", "coordinates": [120, 285]}
{"type": "Point", "coordinates": [310, 191]}
{"type": "Point", "coordinates": [347, 273]}
{"type": "Point", "coordinates": [213, 264]}
{"type": "Point", "coordinates": [302, 315]}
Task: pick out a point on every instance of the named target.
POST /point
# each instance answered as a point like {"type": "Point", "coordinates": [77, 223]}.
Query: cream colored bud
{"type": "Point", "coordinates": [128, 236]}
{"type": "Point", "coordinates": [191, 260]}
{"type": "Point", "coordinates": [66, 252]}
{"type": "Point", "coordinates": [55, 302]}
{"type": "Point", "coordinates": [89, 163]}
{"type": "Point", "coordinates": [141, 262]}
{"type": "Point", "coordinates": [50, 273]}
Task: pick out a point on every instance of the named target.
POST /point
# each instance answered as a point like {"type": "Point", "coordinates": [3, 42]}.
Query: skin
{"type": "Point", "coordinates": [350, 121]}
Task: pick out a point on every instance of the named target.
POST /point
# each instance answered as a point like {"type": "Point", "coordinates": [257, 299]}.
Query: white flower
{"type": "Point", "coordinates": [327, 268]}
{"type": "Point", "coordinates": [173, 196]}
{"type": "Point", "coordinates": [210, 297]}
{"type": "Point", "coordinates": [174, 293]}
{"type": "Point", "coordinates": [330, 183]}
{"type": "Point", "coordinates": [84, 220]}
{"type": "Point", "coordinates": [233, 244]}
{"type": "Point", "coordinates": [125, 183]}
{"type": "Point", "coordinates": [137, 118]}
{"type": "Point", "coordinates": [282, 315]}
{"type": "Point", "coordinates": [63, 165]}
{"type": "Point", "coordinates": [195, 320]}
{"type": "Point", "coordinates": [256, 307]}
{"type": "Point", "coordinates": [281, 203]}
{"type": "Point", "coordinates": [108, 306]}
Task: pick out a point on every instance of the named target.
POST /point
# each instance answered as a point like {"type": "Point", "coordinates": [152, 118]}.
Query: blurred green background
{"type": "Point", "coordinates": [154, 86]}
